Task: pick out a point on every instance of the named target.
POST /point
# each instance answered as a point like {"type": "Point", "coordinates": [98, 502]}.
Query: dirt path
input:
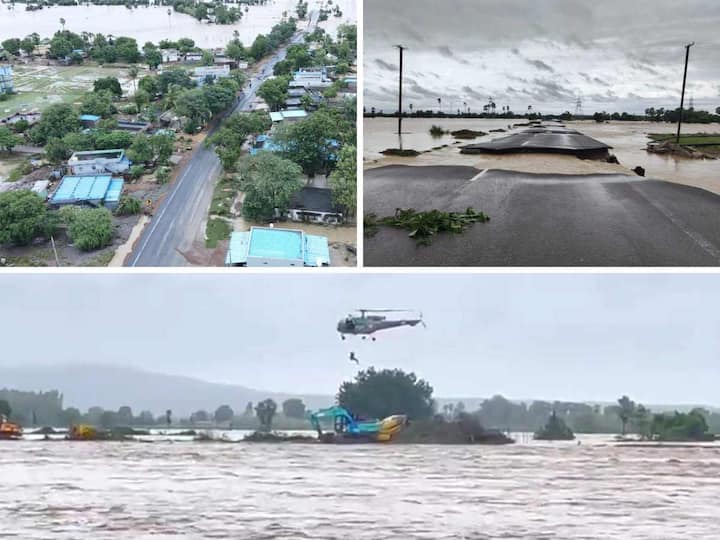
{"type": "Point", "coordinates": [125, 249]}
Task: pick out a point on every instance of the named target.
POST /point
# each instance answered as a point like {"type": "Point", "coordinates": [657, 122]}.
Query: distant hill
{"type": "Point", "coordinates": [111, 387]}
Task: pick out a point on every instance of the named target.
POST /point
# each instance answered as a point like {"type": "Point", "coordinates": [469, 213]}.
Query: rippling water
{"type": "Point", "coordinates": [65, 490]}
{"type": "Point", "coordinates": [628, 139]}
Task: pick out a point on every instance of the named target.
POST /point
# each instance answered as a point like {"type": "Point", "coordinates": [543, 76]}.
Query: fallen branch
{"type": "Point", "coordinates": [424, 225]}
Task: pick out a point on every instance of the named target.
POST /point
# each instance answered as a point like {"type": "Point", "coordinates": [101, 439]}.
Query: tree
{"type": "Point", "coordinates": [343, 180]}
{"type": "Point", "coordinates": [56, 150]}
{"type": "Point", "coordinates": [265, 411]}
{"type": "Point", "coordinates": [23, 217]}
{"type": "Point", "coordinates": [378, 394]}
{"type": "Point", "coordinates": [125, 416]}
{"type": "Point", "coordinates": [108, 419]}
{"type": "Point", "coordinates": [293, 408]}
{"type": "Point", "coordinates": [224, 414]}
{"type": "Point", "coordinates": [150, 85]}
{"type": "Point", "coordinates": [274, 92]}
{"type": "Point", "coordinates": [8, 140]}
{"type": "Point", "coordinates": [168, 417]}
{"type": "Point", "coordinates": [193, 105]}
{"type": "Point", "coordinates": [133, 72]}
{"type": "Point", "coordinates": [89, 228]}
{"type": "Point", "coordinates": [269, 182]}
{"type": "Point", "coordinates": [5, 409]}
{"type": "Point", "coordinates": [249, 411]}
{"type": "Point", "coordinates": [199, 416]}
{"type": "Point", "coordinates": [153, 56]}
{"type": "Point", "coordinates": [141, 99]}
{"type": "Point", "coordinates": [108, 83]}
{"type": "Point", "coordinates": [141, 150]}
{"type": "Point", "coordinates": [71, 416]}
{"type": "Point", "coordinates": [228, 141]}
{"type": "Point", "coordinates": [12, 46]}
{"type": "Point", "coordinates": [309, 142]}
{"type": "Point", "coordinates": [98, 103]}
{"type": "Point", "coordinates": [626, 410]}
{"type": "Point", "coordinates": [235, 50]}
{"type": "Point", "coordinates": [146, 418]}
{"type": "Point", "coordinates": [56, 121]}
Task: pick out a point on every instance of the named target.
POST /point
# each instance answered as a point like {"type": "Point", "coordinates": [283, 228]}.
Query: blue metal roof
{"type": "Point", "coordinates": [114, 190]}
{"type": "Point", "coordinates": [238, 249]}
{"type": "Point", "coordinates": [276, 244]}
{"type": "Point", "coordinates": [317, 251]}
{"type": "Point", "coordinates": [89, 117]}
{"type": "Point", "coordinates": [83, 188]}
{"type": "Point", "coordinates": [270, 243]}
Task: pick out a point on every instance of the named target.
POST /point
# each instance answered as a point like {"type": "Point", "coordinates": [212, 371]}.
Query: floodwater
{"type": "Point", "coordinates": [628, 139]}
{"type": "Point", "coordinates": [65, 490]}
{"type": "Point", "coordinates": [154, 24]}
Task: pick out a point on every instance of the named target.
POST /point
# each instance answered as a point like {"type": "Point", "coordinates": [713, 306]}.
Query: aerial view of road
{"type": "Point", "coordinates": [176, 222]}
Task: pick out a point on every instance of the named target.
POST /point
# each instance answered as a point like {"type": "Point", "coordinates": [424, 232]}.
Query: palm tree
{"type": "Point", "coordinates": [439, 105]}
{"type": "Point", "coordinates": [465, 105]}
{"type": "Point", "coordinates": [133, 73]}
{"type": "Point", "coordinates": [411, 108]}
{"type": "Point", "coordinates": [62, 22]}
{"type": "Point", "coordinates": [626, 410]}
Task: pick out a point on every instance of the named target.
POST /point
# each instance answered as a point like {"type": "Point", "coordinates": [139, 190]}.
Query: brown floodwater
{"type": "Point", "coordinates": [628, 139]}
{"type": "Point", "coordinates": [64, 490]}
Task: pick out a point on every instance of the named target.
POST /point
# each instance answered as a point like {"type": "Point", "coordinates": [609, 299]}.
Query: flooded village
{"type": "Point", "coordinates": [110, 143]}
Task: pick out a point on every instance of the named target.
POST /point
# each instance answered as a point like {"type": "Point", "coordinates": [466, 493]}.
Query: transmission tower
{"type": "Point", "coordinates": [578, 105]}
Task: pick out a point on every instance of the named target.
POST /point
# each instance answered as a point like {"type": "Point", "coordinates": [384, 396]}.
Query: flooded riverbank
{"type": "Point", "coordinates": [628, 139]}
{"type": "Point", "coordinates": [154, 24]}
{"type": "Point", "coordinates": [137, 491]}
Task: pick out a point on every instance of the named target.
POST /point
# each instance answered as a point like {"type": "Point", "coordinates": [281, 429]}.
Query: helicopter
{"type": "Point", "coordinates": [366, 325]}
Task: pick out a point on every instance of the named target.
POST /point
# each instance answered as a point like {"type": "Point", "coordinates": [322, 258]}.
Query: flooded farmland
{"type": "Point", "coordinates": [154, 24]}
{"type": "Point", "coordinates": [628, 139]}
{"type": "Point", "coordinates": [595, 490]}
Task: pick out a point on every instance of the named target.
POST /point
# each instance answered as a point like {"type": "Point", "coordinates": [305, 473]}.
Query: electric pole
{"type": "Point", "coordinates": [682, 97]}
{"type": "Point", "coordinates": [400, 106]}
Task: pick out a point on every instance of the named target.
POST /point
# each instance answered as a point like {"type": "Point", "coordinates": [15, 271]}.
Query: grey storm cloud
{"type": "Point", "coordinates": [629, 47]}
{"type": "Point", "coordinates": [554, 336]}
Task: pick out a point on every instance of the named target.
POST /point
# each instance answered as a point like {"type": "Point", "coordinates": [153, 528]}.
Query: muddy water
{"type": "Point", "coordinates": [154, 24]}
{"type": "Point", "coordinates": [63, 490]}
{"type": "Point", "coordinates": [628, 140]}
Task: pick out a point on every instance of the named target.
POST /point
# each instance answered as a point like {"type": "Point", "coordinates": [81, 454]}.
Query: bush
{"type": "Point", "coordinates": [136, 171]}
{"type": "Point", "coordinates": [130, 109]}
{"type": "Point", "coordinates": [162, 175]}
{"type": "Point", "coordinates": [23, 217]}
{"type": "Point", "coordinates": [128, 206]}
{"type": "Point", "coordinates": [88, 228]}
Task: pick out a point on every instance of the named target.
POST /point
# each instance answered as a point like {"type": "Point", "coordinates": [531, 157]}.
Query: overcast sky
{"type": "Point", "coordinates": [620, 55]}
{"type": "Point", "coordinates": [574, 337]}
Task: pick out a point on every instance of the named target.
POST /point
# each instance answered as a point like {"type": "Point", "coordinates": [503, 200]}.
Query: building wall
{"type": "Point", "coordinates": [314, 217]}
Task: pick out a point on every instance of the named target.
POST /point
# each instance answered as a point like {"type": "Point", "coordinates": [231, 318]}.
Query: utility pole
{"type": "Point", "coordinates": [400, 106]}
{"type": "Point", "coordinates": [682, 97]}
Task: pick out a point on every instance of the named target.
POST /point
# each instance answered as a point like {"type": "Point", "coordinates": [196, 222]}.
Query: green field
{"type": "Point", "coordinates": [690, 139]}
{"type": "Point", "coordinates": [38, 86]}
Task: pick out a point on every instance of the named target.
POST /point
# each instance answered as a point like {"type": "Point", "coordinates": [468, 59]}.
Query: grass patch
{"type": "Point", "coordinates": [216, 230]}
{"type": "Point", "coordinates": [23, 169]}
{"type": "Point", "coordinates": [424, 225]}
{"type": "Point", "coordinates": [103, 259]}
{"type": "Point", "coordinates": [400, 152]}
{"type": "Point", "coordinates": [689, 139]}
{"type": "Point", "coordinates": [437, 131]}
{"type": "Point", "coordinates": [224, 195]}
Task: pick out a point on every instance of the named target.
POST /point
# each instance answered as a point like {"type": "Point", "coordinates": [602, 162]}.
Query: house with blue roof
{"type": "Point", "coordinates": [101, 190]}
{"type": "Point", "coordinates": [273, 247]}
{"type": "Point", "coordinates": [89, 121]}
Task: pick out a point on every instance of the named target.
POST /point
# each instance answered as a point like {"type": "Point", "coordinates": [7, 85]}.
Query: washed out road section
{"type": "Point", "coordinates": [544, 219]}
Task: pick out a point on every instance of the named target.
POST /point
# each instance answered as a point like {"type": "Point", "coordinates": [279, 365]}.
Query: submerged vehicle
{"type": "Point", "coordinates": [347, 428]}
{"type": "Point", "coordinates": [9, 430]}
{"type": "Point", "coordinates": [365, 324]}
{"type": "Point", "coordinates": [82, 432]}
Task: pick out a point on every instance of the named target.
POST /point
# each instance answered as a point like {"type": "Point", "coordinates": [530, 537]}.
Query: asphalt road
{"type": "Point", "coordinates": [545, 220]}
{"type": "Point", "coordinates": [176, 223]}
{"type": "Point", "coordinates": [539, 139]}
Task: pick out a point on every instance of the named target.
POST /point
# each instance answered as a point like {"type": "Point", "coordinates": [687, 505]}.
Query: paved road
{"type": "Point", "coordinates": [176, 222]}
{"type": "Point", "coordinates": [545, 220]}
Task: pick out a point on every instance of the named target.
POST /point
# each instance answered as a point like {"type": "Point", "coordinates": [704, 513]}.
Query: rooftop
{"type": "Point", "coordinates": [95, 154]}
{"type": "Point", "coordinates": [279, 244]}
{"type": "Point", "coordinates": [313, 199]}
{"type": "Point", "coordinates": [87, 188]}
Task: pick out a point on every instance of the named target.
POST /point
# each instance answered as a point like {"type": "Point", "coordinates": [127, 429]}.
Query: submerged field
{"type": "Point", "coordinates": [38, 86]}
